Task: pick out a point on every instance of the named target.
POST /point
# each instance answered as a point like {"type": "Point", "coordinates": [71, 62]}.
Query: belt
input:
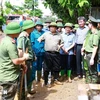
{"type": "Point", "coordinates": [79, 44]}
{"type": "Point", "coordinates": [53, 52]}
{"type": "Point", "coordinates": [88, 52]}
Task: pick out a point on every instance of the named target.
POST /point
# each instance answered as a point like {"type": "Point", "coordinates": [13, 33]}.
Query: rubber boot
{"type": "Point", "coordinates": [69, 76]}
{"type": "Point", "coordinates": [62, 72]}
{"type": "Point", "coordinates": [38, 76]}
{"type": "Point", "coordinates": [31, 89]}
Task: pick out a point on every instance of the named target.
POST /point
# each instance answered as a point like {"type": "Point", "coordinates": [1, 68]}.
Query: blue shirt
{"type": "Point", "coordinates": [46, 29]}
{"type": "Point", "coordinates": [68, 39]}
{"type": "Point", "coordinates": [37, 47]}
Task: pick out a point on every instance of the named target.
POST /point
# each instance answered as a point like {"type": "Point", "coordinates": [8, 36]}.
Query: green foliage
{"type": "Point", "coordinates": [10, 9]}
{"type": "Point", "coordinates": [37, 13]}
{"type": "Point", "coordinates": [81, 3]}
{"type": "Point", "coordinates": [29, 7]}
{"type": "Point", "coordinates": [32, 6]}
{"type": "Point", "coordinates": [69, 10]}
{"type": "Point", "coordinates": [2, 20]}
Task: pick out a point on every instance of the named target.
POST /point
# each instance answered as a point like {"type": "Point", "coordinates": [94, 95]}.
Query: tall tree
{"type": "Point", "coordinates": [32, 6]}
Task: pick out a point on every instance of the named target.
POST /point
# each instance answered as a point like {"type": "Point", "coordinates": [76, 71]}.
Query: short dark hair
{"type": "Point", "coordinates": [82, 18]}
{"type": "Point", "coordinates": [94, 24]}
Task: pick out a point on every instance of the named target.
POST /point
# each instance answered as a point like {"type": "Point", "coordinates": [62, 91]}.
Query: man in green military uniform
{"type": "Point", "coordinates": [28, 27]}
{"type": "Point", "coordinates": [9, 61]}
{"type": "Point", "coordinates": [90, 48]}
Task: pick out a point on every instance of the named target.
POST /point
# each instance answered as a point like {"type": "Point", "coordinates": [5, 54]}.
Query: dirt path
{"type": "Point", "coordinates": [67, 91]}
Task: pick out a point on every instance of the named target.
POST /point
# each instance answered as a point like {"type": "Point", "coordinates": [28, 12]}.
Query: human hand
{"type": "Point", "coordinates": [38, 40]}
{"type": "Point", "coordinates": [24, 34]}
{"type": "Point", "coordinates": [26, 56]}
{"type": "Point", "coordinates": [35, 58]}
{"type": "Point", "coordinates": [24, 67]}
{"type": "Point", "coordinates": [91, 61]}
{"type": "Point", "coordinates": [82, 51]}
{"type": "Point", "coordinates": [66, 51]}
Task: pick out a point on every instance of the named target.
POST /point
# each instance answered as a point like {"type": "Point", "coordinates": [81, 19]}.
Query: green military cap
{"type": "Point", "coordinates": [87, 22]}
{"type": "Point", "coordinates": [12, 28]}
{"type": "Point", "coordinates": [39, 23]}
{"type": "Point", "coordinates": [53, 24]}
{"type": "Point", "coordinates": [68, 25]}
{"type": "Point", "coordinates": [76, 26]}
{"type": "Point", "coordinates": [59, 20]}
{"type": "Point", "coordinates": [28, 24]}
{"type": "Point", "coordinates": [92, 19]}
{"type": "Point", "coordinates": [98, 20]}
{"type": "Point", "coordinates": [48, 21]}
{"type": "Point", "coordinates": [60, 24]}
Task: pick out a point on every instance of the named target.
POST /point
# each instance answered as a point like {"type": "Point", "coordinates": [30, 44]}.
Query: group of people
{"type": "Point", "coordinates": [56, 48]}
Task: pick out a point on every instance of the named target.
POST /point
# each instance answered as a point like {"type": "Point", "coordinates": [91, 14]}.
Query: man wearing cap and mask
{"type": "Point", "coordinates": [9, 61]}
{"type": "Point", "coordinates": [53, 42]}
{"type": "Point", "coordinates": [90, 48]}
{"type": "Point", "coordinates": [38, 49]}
{"type": "Point", "coordinates": [28, 27]}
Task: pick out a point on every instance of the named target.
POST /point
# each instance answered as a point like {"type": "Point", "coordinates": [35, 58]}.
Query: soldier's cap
{"type": "Point", "coordinates": [12, 28]}
{"type": "Point", "coordinates": [28, 24]}
{"type": "Point", "coordinates": [68, 25]}
{"type": "Point", "coordinates": [39, 23]}
{"type": "Point", "coordinates": [53, 24]}
{"type": "Point", "coordinates": [59, 20]}
{"type": "Point", "coordinates": [87, 22]}
{"type": "Point", "coordinates": [60, 25]}
{"type": "Point", "coordinates": [92, 19]}
{"type": "Point", "coordinates": [76, 26]}
{"type": "Point", "coordinates": [48, 21]}
{"type": "Point", "coordinates": [98, 20]}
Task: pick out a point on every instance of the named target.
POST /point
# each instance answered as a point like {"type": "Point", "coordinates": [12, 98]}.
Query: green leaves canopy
{"type": "Point", "coordinates": [69, 10]}
{"type": "Point", "coordinates": [29, 7]}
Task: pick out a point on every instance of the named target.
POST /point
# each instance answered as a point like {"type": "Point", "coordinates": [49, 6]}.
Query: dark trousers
{"type": "Point", "coordinates": [74, 68]}
{"type": "Point", "coordinates": [51, 63]}
{"type": "Point", "coordinates": [29, 72]}
{"type": "Point", "coordinates": [28, 81]}
{"type": "Point", "coordinates": [66, 62]}
{"type": "Point", "coordinates": [80, 70]}
{"type": "Point", "coordinates": [9, 90]}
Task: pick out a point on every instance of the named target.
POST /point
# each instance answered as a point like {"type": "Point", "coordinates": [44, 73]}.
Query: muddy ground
{"type": "Point", "coordinates": [67, 91]}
